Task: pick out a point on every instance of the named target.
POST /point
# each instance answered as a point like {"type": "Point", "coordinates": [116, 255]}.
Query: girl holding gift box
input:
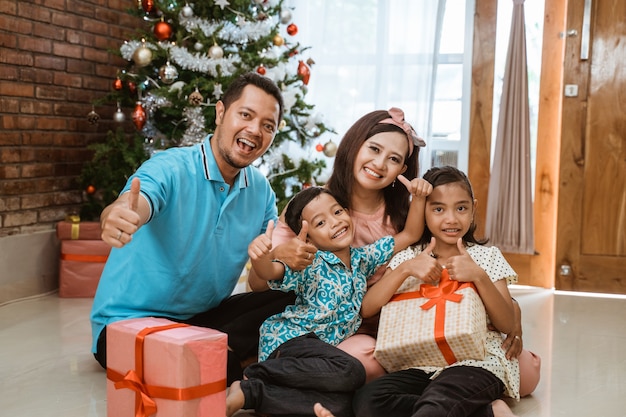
{"type": "Point", "coordinates": [299, 361]}
{"type": "Point", "coordinates": [468, 387]}
{"type": "Point", "coordinates": [368, 160]}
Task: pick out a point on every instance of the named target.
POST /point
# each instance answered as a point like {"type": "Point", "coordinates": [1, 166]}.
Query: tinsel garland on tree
{"type": "Point", "coordinates": [186, 56]}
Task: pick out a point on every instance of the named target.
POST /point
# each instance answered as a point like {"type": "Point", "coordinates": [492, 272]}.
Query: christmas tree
{"type": "Point", "coordinates": [187, 54]}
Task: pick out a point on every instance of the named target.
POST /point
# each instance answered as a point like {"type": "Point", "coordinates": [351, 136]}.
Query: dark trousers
{"type": "Point", "coordinates": [240, 317]}
{"type": "Point", "coordinates": [301, 372]}
{"type": "Point", "coordinates": [459, 391]}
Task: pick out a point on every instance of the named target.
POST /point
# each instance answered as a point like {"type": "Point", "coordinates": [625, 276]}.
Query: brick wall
{"type": "Point", "coordinates": [54, 60]}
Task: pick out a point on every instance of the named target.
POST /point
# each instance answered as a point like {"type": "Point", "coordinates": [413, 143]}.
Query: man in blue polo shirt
{"type": "Point", "coordinates": [180, 229]}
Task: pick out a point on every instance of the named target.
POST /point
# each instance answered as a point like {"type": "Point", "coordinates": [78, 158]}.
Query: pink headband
{"type": "Point", "coordinates": [397, 119]}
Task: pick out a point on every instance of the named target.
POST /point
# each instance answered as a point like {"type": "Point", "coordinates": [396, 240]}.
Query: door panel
{"type": "Point", "coordinates": [591, 232]}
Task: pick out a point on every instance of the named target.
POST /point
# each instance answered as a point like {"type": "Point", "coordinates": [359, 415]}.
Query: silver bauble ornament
{"type": "Point", "coordinates": [119, 116]}
{"type": "Point", "coordinates": [142, 56]}
{"type": "Point", "coordinates": [216, 52]}
{"type": "Point", "coordinates": [330, 149]}
{"type": "Point", "coordinates": [285, 16]}
{"type": "Point", "coordinates": [168, 73]}
{"type": "Point", "coordinates": [187, 11]}
{"type": "Point", "coordinates": [198, 46]}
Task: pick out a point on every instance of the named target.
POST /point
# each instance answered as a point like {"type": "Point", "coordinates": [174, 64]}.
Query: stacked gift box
{"type": "Point", "coordinates": [83, 254]}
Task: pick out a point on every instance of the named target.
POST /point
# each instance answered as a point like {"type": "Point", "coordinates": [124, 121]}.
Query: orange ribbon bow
{"type": "Point", "coordinates": [437, 297]}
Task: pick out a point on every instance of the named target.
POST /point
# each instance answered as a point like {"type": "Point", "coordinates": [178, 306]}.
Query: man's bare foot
{"type": "Point", "coordinates": [235, 399]}
{"type": "Point", "coordinates": [501, 409]}
{"type": "Point", "coordinates": [321, 411]}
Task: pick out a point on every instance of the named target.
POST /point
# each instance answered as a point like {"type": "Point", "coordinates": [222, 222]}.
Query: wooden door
{"type": "Point", "coordinates": [591, 225]}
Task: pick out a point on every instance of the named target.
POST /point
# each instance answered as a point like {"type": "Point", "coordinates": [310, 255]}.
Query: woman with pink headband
{"type": "Point", "coordinates": [369, 158]}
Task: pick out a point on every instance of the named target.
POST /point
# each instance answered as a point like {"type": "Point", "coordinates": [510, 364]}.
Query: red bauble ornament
{"type": "Point", "coordinates": [139, 116]}
{"type": "Point", "coordinates": [261, 70]}
{"type": "Point", "coordinates": [292, 29]}
{"type": "Point", "coordinates": [132, 87]}
{"type": "Point", "coordinates": [306, 185]}
{"type": "Point", "coordinates": [117, 84]}
{"type": "Point", "coordinates": [148, 5]}
{"type": "Point", "coordinates": [162, 31]}
{"type": "Point", "coordinates": [319, 147]}
{"type": "Point", "coordinates": [304, 71]}
{"type": "Point", "coordinates": [90, 189]}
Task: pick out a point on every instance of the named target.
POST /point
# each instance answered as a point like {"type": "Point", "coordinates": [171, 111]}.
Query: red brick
{"type": "Point", "coordinates": [79, 66]}
{"type": "Point", "coordinates": [50, 62]}
{"type": "Point", "coordinates": [68, 80]}
{"type": "Point", "coordinates": [15, 57]}
{"type": "Point", "coordinates": [8, 40]}
{"type": "Point", "coordinates": [9, 155]}
{"type": "Point", "coordinates": [18, 122]}
{"type": "Point", "coordinates": [9, 73]}
{"type": "Point", "coordinates": [35, 107]}
{"type": "Point", "coordinates": [79, 37]}
{"type": "Point", "coordinates": [11, 139]}
{"type": "Point", "coordinates": [67, 50]}
{"type": "Point", "coordinates": [50, 123]}
{"type": "Point", "coordinates": [33, 12]}
{"type": "Point", "coordinates": [20, 218]}
{"type": "Point", "coordinates": [9, 172]}
{"type": "Point", "coordinates": [12, 24]}
{"type": "Point", "coordinates": [10, 7]}
{"type": "Point", "coordinates": [27, 43]}
{"type": "Point", "coordinates": [37, 170]}
{"type": "Point", "coordinates": [16, 89]}
{"type": "Point", "coordinates": [49, 32]}
{"type": "Point", "coordinates": [9, 105]}
{"type": "Point", "coordinates": [37, 76]}
{"type": "Point", "coordinates": [51, 92]}
{"type": "Point", "coordinates": [66, 20]}
{"type": "Point", "coordinates": [9, 203]}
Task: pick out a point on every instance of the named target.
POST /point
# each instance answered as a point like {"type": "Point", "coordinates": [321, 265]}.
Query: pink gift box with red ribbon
{"type": "Point", "coordinates": [160, 368]}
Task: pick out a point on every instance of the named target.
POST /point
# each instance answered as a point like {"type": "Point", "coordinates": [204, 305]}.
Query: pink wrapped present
{"type": "Point", "coordinates": [433, 326]}
{"type": "Point", "coordinates": [81, 265]}
{"type": "Point", "coordinates": [166, 369]}
{"type": "Point", "coordinates": [72, 228]}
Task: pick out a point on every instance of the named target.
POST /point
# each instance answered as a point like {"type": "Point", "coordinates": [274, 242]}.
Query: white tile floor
{"type": "Point", "coordinates": [46, 368]}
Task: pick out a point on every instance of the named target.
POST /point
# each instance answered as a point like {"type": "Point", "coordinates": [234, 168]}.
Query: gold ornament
{"type": "Point", "coordinates": [330, 149]}
{"type": "Point", "coordinates": [142, 56]}
{"type": "Point", "coordinates": [216, 52]}
{"type": "Point", "coordinates": [278, 40]}
{"type": "Point", "coordinates": [282, 124]}
{"type": "Point", "coordinates": [195, 98]}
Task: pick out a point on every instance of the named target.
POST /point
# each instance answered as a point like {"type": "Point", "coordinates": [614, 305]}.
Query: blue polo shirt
{"type": "Point", "coordinates": [188, 257]}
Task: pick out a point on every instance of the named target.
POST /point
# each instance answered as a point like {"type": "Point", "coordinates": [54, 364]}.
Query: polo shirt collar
{"type": "Point", "coordinates": [212, 171]}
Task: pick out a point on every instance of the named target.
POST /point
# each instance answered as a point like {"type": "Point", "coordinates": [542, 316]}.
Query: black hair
{"type": "Point", "coordinates": [450, 175]}
{"type": "Point", "coordinates": [235, 89]}
{"type": "Point", "coordinates": [293, 214]}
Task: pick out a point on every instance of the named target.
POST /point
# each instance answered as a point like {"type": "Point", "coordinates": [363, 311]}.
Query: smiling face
{"type": "Point", "coordinates": [380, 160]}
{"type": "Point", "coordinates": [330, 225]}
{"type": "Point", "coordinates": [245, 130]}
{"type": "Point", "coordinates": [449, 214]}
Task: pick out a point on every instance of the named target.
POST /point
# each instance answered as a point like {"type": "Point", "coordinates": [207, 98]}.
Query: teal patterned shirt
{"type": "Point", "coordinates": [328, 297]}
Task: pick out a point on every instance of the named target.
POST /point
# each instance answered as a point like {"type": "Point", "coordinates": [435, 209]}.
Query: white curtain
{"type": "Point", "coordinates": [510, 207]}
{"type": "Point", "coordinates": [369, 55]}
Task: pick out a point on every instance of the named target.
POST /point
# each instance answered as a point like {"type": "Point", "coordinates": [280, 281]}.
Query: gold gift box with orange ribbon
{"type": "Point", "coordinates": [156, 367]}
{"type": "Point", "coordinates": [425, 325]}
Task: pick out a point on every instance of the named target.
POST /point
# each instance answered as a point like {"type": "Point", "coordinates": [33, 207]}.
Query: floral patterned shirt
{"type": "Point", "coordinates": [328, 297]}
